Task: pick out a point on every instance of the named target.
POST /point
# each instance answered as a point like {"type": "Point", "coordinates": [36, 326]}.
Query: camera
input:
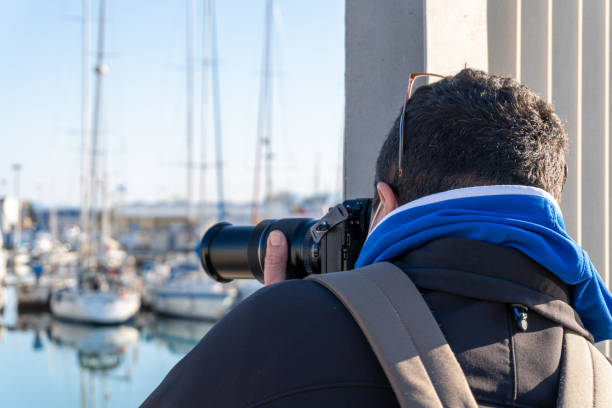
{"type": "Point", "coordinates": [329, 244]}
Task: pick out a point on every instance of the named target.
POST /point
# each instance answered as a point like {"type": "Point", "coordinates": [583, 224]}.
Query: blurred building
{"type": "Point", "coordinates": [163, 226]}
{"type": "Point", "coordinates": [15, 214]}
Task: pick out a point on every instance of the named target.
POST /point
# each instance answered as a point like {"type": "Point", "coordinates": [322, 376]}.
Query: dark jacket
{"type": "Point", "coordinates": [294, 344]}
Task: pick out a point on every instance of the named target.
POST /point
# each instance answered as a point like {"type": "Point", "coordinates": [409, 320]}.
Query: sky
{"type": "Point", "coordinates": [144, 97]}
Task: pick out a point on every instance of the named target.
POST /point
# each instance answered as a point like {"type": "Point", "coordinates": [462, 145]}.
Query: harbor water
{"type": "Point", "coordinates": [53, 363]}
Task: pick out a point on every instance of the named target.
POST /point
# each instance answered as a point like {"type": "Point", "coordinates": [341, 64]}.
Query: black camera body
{"type": "Point", "coordinates": [329, 244]}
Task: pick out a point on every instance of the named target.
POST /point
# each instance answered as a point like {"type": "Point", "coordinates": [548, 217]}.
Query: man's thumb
{"type": "Point", "coordinates": [275, 264]}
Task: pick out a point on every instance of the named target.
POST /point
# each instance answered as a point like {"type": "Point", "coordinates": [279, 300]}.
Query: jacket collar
{"type": "Point", "coordinates": [490, 272]}
{"type": "Point", "coordinates": [467, 192]}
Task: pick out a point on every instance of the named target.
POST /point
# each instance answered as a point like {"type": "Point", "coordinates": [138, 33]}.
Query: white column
{"type": "Point", "coordinates": [504, 20]}
{"type": "Point", "coordinates": [536, 46]}
{"type": "Point", "coordinates": [455, 35]}
{"type": "Point", "coordinates": [567, 99]}
{"type": "Point", "coordinates": [606, 273]}
{"type": "Point", "coordinates": [385, 41]}
{"type": "Point", "coordinates": [595, 228]}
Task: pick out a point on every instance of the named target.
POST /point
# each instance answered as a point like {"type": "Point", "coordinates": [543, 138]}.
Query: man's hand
{"type": "Point", "coordinates": [275, 263]}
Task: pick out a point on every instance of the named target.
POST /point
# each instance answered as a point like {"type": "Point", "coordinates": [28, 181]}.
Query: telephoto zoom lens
{"type": "Point", "coordinates": [230, 252]}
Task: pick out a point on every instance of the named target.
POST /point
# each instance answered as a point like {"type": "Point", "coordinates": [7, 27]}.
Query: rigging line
{"type": "Point", "coordinates": [263, 115]}
{"type": "Point", "coordinates": [204, 127]}
{"type": "Point", "coordinates": [217, 116]}
{"type": "Point", "coordinates": [189, 108]}
{"type": "Point", "coordinates": [85, 118]}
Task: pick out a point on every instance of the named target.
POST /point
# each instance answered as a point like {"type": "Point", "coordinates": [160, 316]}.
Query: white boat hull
{"type": "Point", "coordinates": [193, 305]}
{"type": "Point", "coordinates": [31, 296]}
{"type": "Point", "coordinates": [95, 307]}
{"type": "Point", "coordinates": [92, 338]}
{"type": "Point", "coordinates": [2, 297]}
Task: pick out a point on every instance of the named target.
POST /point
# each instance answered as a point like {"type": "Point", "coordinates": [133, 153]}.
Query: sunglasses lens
{"type": "Point", "coordinates": [422, 80]}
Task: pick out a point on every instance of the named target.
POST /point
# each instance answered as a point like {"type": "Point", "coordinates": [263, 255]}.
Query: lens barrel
{"type": "Point", "coordinates": [230, 252]}
{"type": "Point", "coordinates": [330, 244]}
{"type": "Point", "coordinates": [224, 252]}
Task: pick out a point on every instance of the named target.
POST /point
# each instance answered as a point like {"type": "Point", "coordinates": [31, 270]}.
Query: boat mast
{"type": "Point", "coordinates": [264, 125]}
{"type": "Point", "coordinates": [189, 110]}
{"type": "Point", "coordinates": [204, 126]}
{"type": "Point", "coordinates": [101, 69]}
{"type": "Point", "coordinates": [85, 118]}
{"type": "Point", "coordinates": [105, 228]}
{"type": "Point", "coordinates": [216, 94]}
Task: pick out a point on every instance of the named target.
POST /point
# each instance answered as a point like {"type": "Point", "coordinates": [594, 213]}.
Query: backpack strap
{"type": "Point", "coordinates": [586, 375]}
{"type": "Point", "coordinates": [404, 335]}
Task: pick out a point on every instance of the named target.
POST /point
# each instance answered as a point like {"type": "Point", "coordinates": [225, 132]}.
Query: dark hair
{"type": "Point", "coordinates": [474, 129]}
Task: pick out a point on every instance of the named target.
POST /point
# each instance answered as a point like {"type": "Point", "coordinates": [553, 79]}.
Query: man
{"type": "Point", "coordinates": [472, 217]}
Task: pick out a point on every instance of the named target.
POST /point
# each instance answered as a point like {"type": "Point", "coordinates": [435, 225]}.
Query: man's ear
{"type": "Point", "coordinates": [388, 200]}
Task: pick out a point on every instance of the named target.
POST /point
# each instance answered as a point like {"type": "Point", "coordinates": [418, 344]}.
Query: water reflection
{"type": "Point", "coordinates": [37, 323]}
{"type": "Point", "coordinates": [100, 353]}
{"type": "Point", "coordinates": [179, 335]}
{"type": "Point", "coordinates": [93, 339]}
{"type": "Point", "coordinates": [93, 366]}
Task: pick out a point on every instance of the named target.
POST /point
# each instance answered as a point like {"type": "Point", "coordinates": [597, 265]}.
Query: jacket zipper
{"type": "Point", "coordinates": [519, 313]}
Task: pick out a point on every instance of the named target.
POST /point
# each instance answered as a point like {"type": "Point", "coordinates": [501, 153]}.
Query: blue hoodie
{"type": "Point", "coordinates": [525, 218]}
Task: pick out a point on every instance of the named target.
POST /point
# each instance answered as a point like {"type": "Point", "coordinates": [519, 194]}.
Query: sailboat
{"type": "Point", "coordinates": [189, 292]}
{"type": "Point", "coordinates": [99, 297]}
{"type": "Point", "coordinates": [98, 307]}
{"type": "Point", "coordinates": [192, 294]}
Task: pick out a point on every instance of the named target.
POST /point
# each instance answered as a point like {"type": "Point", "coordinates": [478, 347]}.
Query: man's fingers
{"type": "Point", "coordinates": [275, 266]}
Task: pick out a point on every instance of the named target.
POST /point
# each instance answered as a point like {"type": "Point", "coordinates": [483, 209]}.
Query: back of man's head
{"type": "Point", "coordinates": [474, 129]}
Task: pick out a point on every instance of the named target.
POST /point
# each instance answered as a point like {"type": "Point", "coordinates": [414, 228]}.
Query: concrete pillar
{"type": "Point", "coordinates": [536, 46]}
{"type": "Point", "coordinates": [504, 19]}
{"type": "Point", "coordinates": [567, 99]}
{"type": "Point", "coordinates": [385, 41]}
{"type": "Point", "coordinates": [595, 135]}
